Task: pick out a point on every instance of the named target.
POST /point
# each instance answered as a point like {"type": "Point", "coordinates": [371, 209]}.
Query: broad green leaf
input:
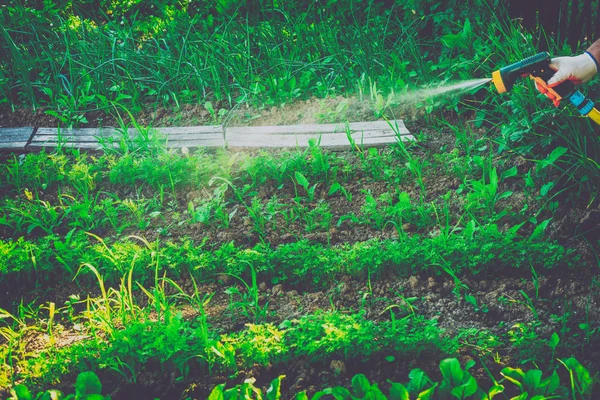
{"type": "Point", "coordinates": [509, 173]}
{"type": "Point", "coordinates": [539, 230]}
{"type": "Point", "coordinates": [495, 390]}
{"type": "Point", "coordinates": [418, 380]}
{"type": "Point", "coordinates": [583, 380]}
{"type": "Point", "coordinates": [467, 389]}
{"type": "Point", "coordinates": [505, 195]}
{"type": "Point", "coordinates": [532, 380]}
{"type": "Point", "coordinates": [20, 392]}
{"type": "Point", "coordinates": [57, 395]}
{"type": "Point", "coordinates": [274, 390]}
{"type": "Point", "coordinates": [514, 375]}
{"type": "Point", "coordinates": [334, 188]}
{"type": "Point", "coordinates": [494, 178]}
{"type": "Point", "coordinates": [551, 384]}
{"type": "Point", "coordinates": [341, 393]}
{"type": "Point", "coordinates": [451, 371]}
{"type": "Point", "coordinates": [398, 392]}
{"type": "Point", "coordinates": [301, 179]}
{"type": "Point", "coordinates": [469, 364]}
{"type": "Point", "coordinates": [546, 188]}
{"type": "Point", "coordinates": [374, 393]}
{"type": "Point", "coordinates": [303, 396]}
{"type": "Point", "coordinates": [404, 199]}
{"type": "Point", "coordinates": [554, 156]}
{"type": "Point", "coordinates": [360, 385]}
{"type": "Point", "coordinates": [217, 393]}
{"type": "Point", "coordinates": [426, 394]}
{"type": "Point", "coordinates": [88, 383]}
{"type": "Point", "coordinates": [554, 340]}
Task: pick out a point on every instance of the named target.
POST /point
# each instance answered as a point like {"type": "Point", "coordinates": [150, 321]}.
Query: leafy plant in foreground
{"type": "Point", "coordinates": [87, 387]}
{"type": "Point", "coordinates": [456, 384]}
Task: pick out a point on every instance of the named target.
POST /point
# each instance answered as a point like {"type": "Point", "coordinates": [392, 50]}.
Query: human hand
{"type": "Point", "coordinates": [579, 69]}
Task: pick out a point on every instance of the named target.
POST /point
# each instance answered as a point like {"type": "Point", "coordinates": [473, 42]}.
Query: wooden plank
{"type": "Point", "coordinates": [196, 143]}
{"type": "Point", "coordinates": [315, 128]}
{"type": "Point", "coordinates": [191, 130]}
{"type": "Point", "coordinates": [326, 141]}
{"type": "Point", "coordinates": [302, 140]}
{"type": "Point", "coordinates": [26, 130]}
{"type": "Point", "coordinates": [10, 139]}
{"type": "Point", "coordinates": [13, 145]}
{"type": "Point", "coordinates": [88, 145]}
{"type": "Point", "coordinates": [332, 136]}
{"type": "Point", "coordinates": [77, 132]}
{"type": "Point", "coordinates": [16, 135]}
{"type": "Point", "coordinates": [178, 138]}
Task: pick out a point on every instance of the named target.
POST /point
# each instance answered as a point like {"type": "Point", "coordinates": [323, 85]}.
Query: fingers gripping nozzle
{"type": "Point", "coordinates": [538, 68]}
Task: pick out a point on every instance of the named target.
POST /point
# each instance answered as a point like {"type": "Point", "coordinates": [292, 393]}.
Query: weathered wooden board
{"type": "Point", "coordinates": [331, 136]}
{"type": "Point", "coordinates": [191, 130]}
{"type": "Point", "coordinates": [15, 138]}
{"type": "Point", "coordinates": [194, 136]}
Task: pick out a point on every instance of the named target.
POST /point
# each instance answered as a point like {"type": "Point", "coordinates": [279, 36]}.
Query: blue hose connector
{"type": "Point", "coordinates": [583, 104]}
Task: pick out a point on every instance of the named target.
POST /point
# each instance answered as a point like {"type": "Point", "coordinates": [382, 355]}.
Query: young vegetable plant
{"type": "Point", "coordinates": [302, 181]}
{"type": "Point", "coordinates": [249, 300]}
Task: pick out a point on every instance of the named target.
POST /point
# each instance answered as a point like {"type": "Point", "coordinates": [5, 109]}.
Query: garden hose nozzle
{"type": "Point", "coordinates": [537, 67]}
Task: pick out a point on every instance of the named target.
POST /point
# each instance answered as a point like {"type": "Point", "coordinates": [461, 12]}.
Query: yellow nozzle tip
{"type": "Point", "coordinates": [498, 82]}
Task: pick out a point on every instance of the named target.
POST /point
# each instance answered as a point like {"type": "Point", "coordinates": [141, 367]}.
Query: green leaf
{"type": "Point", "coordinates": [469, 364]}
{"type": "Point", "coordinates": [583, 380]}
{"type": "Point", "coordinates": [374, 393]}
{"type": "Point", "coordinates": [209, 107]}
{"type": "Point", "coordinates": [426, 394]}
{"type": "Point", "coordinates": [341, 393]}
{"type": "Point", "coordinates": [467, 389]}
{"type": "Point", "coordinates": [274, 390]}
{"type": "Point", "coordinates": [217, 393]}
{"type": "Point", "coordinates": [554, 156]}
{"type": "Point", "coordinates": [360, 385]}
{"type": "Point", "coordinates": [87, 383]}
{"type": "Point", "coordinates": [418, 380]}
{"type": "Point", "coordinates": [532, 380]}
{"type": "Point", "coordinates": [554, 340]}
{"type": "Point", "coordinates": [398, 392]}
{"type": "Point", "coordinates": [509, 173]}
{"type": "Point", "coordinates": [539, 230]}
{"type": "Point", "coordinates": [546, 188]}
{"type": "Point", "coordinates": [303, 396]}
{"type": "Point", "coordinates": [552, 383]}
{"type": "Point", "coordinates": [334, 188]}
{"type": "Point", "coordinates": [495, 390]}
{"type": "Point", "coordinates": [301, 179]}
{"type": "Point", "coordinates": [514, 375]}
{"type": "Point", "coordinates": [505, 195]}
{"type": "Point", "coordinates": [20, 392]}
{"type": "Point", "coordinates": [451, 371]}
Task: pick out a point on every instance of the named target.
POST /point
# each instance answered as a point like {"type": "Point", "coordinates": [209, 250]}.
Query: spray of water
{"type": "Point", "coordinates": [445, 89]}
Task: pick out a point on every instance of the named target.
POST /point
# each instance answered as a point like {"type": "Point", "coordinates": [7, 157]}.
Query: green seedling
{"type": "Point", "coordinates": [302, 181]}
{"type": "Point", "coordinates": [337, 187]}
{"type": "Point", "coordinates": [249, 299]}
